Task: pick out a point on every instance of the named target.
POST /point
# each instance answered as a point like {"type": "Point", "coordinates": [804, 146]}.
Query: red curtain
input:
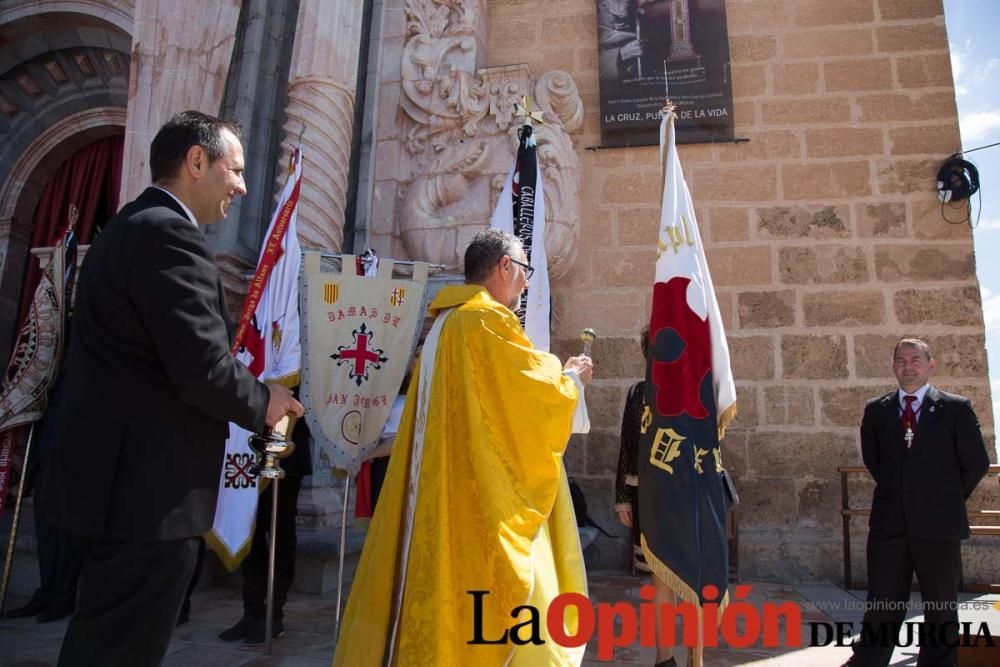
{"type": "Point", "coordinates": [89, 180]}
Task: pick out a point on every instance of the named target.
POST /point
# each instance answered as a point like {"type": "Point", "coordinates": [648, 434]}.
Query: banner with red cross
{"type": "Point", "coordinates": [359, 336]}
{"type": "Point", "coordinates": [267, 342]}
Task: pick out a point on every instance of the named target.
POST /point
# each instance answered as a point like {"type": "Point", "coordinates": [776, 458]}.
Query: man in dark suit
{"type": "Point", "coordinates": [150, 389]}
{"type": "Point", "coordinates": [926, 453]}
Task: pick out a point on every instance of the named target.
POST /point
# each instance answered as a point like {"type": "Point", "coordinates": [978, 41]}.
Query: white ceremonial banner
{"type": "Point", "coordinates": [267, 342]}
{"type": "Point", "coordinates": [536, 309]}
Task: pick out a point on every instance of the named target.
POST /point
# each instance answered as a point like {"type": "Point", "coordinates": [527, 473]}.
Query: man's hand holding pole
{"type": "Point", "coordinates": [583, 366]}
{"type": "Point", "coordinates": [280, 404]}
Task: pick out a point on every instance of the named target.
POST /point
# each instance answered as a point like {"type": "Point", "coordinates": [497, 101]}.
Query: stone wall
{"type": "Point", "coordinates": [824, 238]}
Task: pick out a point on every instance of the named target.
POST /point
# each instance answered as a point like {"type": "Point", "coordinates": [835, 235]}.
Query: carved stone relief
{"type": "Point", "coordinates": [460, 135]}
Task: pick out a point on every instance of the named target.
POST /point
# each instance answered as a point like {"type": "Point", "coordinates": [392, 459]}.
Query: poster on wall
{"type": "Point", "coordinates": [650, 48]}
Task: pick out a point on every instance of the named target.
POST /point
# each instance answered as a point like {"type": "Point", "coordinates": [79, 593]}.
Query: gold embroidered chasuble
{"type": "Point", "coordinates": [491, 512]}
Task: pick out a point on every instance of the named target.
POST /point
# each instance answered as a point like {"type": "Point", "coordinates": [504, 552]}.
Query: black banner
{"type": "Point", "coordinates": [523, 189]}
{"type": "Point", "coordinates": [682, 491]}
{"type": "Point", "coordinates": [646, 45]}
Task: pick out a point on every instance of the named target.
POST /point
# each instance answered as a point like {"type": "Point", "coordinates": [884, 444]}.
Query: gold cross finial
{"type": "Point", "coordinates": [523, 110]}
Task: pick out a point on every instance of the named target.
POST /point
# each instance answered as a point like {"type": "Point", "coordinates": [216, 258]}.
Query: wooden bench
{"type": "Point", "coordinates": [978, 520]}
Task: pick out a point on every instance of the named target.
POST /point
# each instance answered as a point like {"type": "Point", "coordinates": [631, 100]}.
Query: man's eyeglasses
{"type": "Point", "coordinates": [528, 269]}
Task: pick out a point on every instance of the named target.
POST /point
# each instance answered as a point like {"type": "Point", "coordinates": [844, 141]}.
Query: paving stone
{"type": "Point", "coordinates": [308, 641]}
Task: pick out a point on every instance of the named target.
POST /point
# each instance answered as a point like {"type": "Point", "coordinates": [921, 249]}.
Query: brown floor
{"type": "Point", "coordinates": [308, 640]}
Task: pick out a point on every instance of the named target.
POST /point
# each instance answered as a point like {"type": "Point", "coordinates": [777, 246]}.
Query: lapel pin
{"type": "Point", "coordinates": [932, 408]}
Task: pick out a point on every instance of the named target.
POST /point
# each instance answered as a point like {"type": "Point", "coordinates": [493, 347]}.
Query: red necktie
{"type": "Point", "coordinates": [909, 421]}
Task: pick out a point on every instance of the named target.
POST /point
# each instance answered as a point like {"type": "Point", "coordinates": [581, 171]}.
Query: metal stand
{"type": "Point", "coordinates": [275, 444]}
{"type": "Point", "coordinates": [340, 565]}
{"type": "Point", "coordinates": [9, 562]}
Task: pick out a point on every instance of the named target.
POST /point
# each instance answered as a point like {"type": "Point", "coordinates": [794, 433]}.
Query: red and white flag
{"type": "Point", "coordinates": [690, 397]}
{"type": "Point", "coordinates": [267, 342]}
{"type": "Point", "coordinates": [682, 271]}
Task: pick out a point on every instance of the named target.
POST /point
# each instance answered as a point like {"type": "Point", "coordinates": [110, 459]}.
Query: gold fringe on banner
{"type": "Point", "coordinates": [229, 562]}
{"type": "Point", "coordinates": [212, 541]}
{"type": "Point", "coordinates": [682, 590]}
{"type": "Point", "coordinates": [727, 416]}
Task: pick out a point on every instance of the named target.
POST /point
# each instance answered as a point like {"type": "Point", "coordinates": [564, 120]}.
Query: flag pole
{"type": "Point", "coordinates": [9, 561]}
{"type": "Point", "coordinates": [274, 445]}
{"type": "Point", "coordinates": [340, 565]}
{"type": "Point", "coordinates": [269, 622]}
{"type": "Point", "coordinates": [668, 106]}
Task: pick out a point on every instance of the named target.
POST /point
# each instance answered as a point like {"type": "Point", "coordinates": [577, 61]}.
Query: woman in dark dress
{"type": "Point", "coordinates": [627, 494]}
{"type": "Point", "coordinates": [627, 480]}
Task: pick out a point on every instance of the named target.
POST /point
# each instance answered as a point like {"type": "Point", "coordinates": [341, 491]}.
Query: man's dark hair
{"type": "Point", "coordinates": [486, 249]}
{"type": "Point", "coordinates": [913, 342]}
{"type": "Point", "coordinates": [188, 128]}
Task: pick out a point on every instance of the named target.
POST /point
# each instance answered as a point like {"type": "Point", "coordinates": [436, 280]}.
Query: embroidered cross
{"type": "Point", "coordinates": [360, 356]}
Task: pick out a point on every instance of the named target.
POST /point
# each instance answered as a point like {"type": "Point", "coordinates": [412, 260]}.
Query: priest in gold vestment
{"type": "Point", "coordinates": [476, 496]}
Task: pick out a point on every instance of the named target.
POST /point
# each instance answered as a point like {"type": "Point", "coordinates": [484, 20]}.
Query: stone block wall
{"type": "Point", "coordinates": [825, 241]}
{"type": "Point", "coordinates": [823, 234]}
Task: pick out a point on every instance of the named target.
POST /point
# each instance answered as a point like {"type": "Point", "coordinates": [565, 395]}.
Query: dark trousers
{"type": "Point", "coordinates": [59, 562]}
{"type": "Point", "coordinates": [130, 595]}
{"type": "Point", "coordinates": [891, 564]}
{"type": "Point", "coordinates": [380, 466]}
{"type": "Point", "coordinates": [254, 568]}
{"type": "Point", "coordinates": [198, 564]}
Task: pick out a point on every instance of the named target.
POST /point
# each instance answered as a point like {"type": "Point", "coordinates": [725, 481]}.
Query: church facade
{"type": "Point", "coordinates": [822, 229]}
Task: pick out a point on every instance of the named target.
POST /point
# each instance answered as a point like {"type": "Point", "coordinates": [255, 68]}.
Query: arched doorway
{"type": "Point", "coordinates": [83, 192]}
{"type": "Point", "coordinates": [63, 87]}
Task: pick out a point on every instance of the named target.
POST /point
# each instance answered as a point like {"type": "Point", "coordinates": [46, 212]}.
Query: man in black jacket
{"type": "Point", "coordinates": [926, 453]}
{"type": "Point", "coordinates": [150, 389]}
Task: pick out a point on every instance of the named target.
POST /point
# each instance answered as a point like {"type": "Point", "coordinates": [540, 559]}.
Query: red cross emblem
{"type": "Point", "coordinates": [359, 356]}
{"type": "Point", "coordinates": [253, 343]}
{"type": "Point", "coordinates": [396, 298]}
{"type": "Point", "coordinates": [238, 474]}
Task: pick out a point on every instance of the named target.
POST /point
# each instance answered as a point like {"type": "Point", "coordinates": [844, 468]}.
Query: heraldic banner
{"type": "Point", "coordinates": [266, 342]}
{"type": "Point", "coordinates": [37, 352]}
{"type": "Point", "coordinates": [690, 398]}
{"type": "Point", "coordinates": [359, 335]}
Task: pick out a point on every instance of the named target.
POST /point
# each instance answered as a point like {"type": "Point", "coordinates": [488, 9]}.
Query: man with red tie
{"type": "Point", "coordinates": [926, 452]}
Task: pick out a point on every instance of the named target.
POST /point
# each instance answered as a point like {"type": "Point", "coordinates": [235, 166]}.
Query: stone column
{"type": "Point", "coordinates": [321, 87]}
{"type": "Point", "coordinates": [180, 59]}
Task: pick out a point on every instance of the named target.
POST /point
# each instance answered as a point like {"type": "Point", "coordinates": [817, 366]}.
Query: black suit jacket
{"type": "Point", "coordinates": [921, 490]}
{"type": "Point", "coordinates": [150, 383]}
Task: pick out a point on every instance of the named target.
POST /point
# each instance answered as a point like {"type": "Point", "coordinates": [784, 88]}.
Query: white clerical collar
{"type": "Point", "coordinates": [919, 393]}
{"type": "Point", "coordinates": [187, 211]}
